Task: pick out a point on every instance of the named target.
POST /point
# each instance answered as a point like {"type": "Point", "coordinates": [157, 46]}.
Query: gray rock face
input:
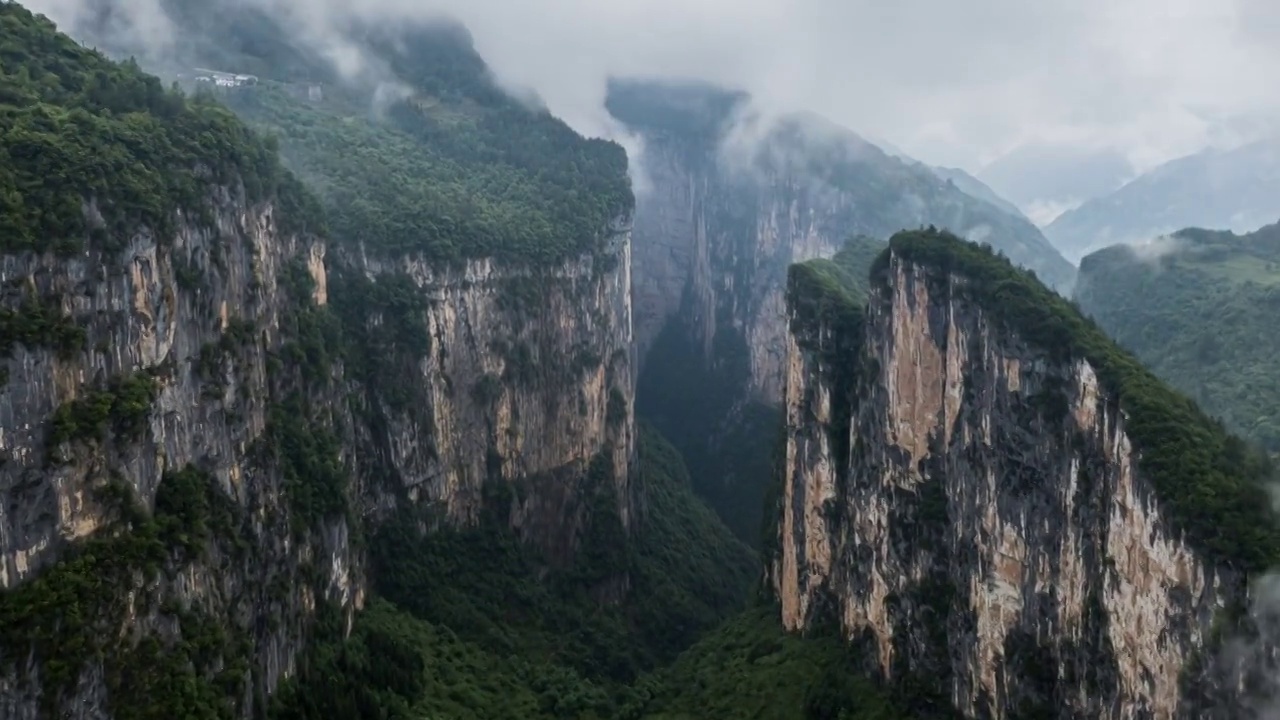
{"type": "Point", "coordinates": [988, 527]}
{"type": "Point", "coordinates": [715, 236]}
{"type": "Point", "coordinates": [153, 308]}
{"type": "Point", "coordinates": [527, 380]}
{"type": "Point", "coordinates": [716, 251]}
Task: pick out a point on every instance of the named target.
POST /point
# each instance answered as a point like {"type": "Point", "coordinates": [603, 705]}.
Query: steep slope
{"type": "Point", "coordinates": [1196, 308]}
{"type": "Point", "coordinates": [975, 188]}
{"type": "Point", "coordinates": [1235, 189]}
{"type": "Point", "coordinates": [751, 668]}
{"type": "Point", "coordinates": [732, 204]}
{"type": "Point", "coordinates": [175, 499]}
{"type": "Point", "coordinates": [997, 505]}
{"type": "Point", "coordinates": [493, 243]}
{"type": "Point", "coordinates": [216, 410]}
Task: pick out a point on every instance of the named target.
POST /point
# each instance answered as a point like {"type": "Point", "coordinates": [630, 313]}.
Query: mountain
{"type": "Point", "coordinates": [966, 183]}
{"type": "Point", "coordinates": [1045, 180]}
{"type": "Point", "coordinates": [1236, 189]}
{"type": "Point", "coordinates": [735, 200]}
{"type": "Point", "coordinates": [1196, 308]}
{"type": "Point", "coordinates": [1000, 507]}
{"type": "Point", "coordinates": [249, 423]}
{"type": "Point", "coordinates": [340, 421]}
{"type": "Point", "coordinates": [975, 188]}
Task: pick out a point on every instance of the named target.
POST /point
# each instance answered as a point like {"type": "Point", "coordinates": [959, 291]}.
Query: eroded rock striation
{"type": "Point", "coordinates": [967, 496]}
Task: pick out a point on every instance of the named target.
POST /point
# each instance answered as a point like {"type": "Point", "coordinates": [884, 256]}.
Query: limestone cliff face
{"type": "Point", "coordinates": [149, 313]}
{"type": "Point", "coordinates": [527, 379]}
{"type": "Point", "coordinates": [731, 202]}
{"type": "Point", "coordinates": [204, 425]}
{"type": "Point", "coordinates": [979, 519]}
{"type": "Point", "coordinates": [725, 217]}
{"type": "Point", "coordinates": [715, 252]}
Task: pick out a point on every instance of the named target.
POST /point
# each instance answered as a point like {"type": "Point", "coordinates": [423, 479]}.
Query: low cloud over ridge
{"type": "Point", "coordinates": [950, 83]}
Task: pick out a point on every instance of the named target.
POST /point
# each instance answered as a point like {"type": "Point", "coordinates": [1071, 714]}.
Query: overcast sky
{"type": "Point", "coordinates": [949, 82]}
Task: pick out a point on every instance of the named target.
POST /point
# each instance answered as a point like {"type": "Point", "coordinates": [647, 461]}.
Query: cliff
{"type": "Point", "coordinates": [732, 201]}
{"type": "Point", "coordinates": [486, 373]}
{"type": "Point", "coordinates": [1000, 508]}
{"type": "Point", "coordinates": [212, 403]}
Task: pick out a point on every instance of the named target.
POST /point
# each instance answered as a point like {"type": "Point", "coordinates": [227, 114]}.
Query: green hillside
{"type": "Point", "coordinates": [77, 128]}
{"type": "Point", "coordinates": [419, 150]}
{"type": "Point", "coordinates": [1200, 317]}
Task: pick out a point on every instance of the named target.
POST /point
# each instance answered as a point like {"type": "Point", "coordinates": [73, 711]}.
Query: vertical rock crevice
{"type": "Point", "coordinates": [994, 528]}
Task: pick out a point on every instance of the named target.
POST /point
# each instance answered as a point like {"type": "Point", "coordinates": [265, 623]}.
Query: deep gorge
{"type": "Point", "coordinates": [310, 413]}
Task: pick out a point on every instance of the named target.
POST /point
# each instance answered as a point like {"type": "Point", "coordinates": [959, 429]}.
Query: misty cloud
{"type": "Point", "coordinates": [1151, 251]}
{"type": "Point", "coordinates": [950, 83]}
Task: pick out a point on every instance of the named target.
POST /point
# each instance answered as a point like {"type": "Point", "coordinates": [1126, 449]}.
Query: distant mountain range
{"type": "Point", "coordinates": [1044, 180]}
{"type": "Point", "coordinates": [1236, 190]}
{"type": "Point", "coordinates": [973, 187]}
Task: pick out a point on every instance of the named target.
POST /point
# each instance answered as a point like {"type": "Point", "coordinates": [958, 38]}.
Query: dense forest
{"type": "Point", "coordinates": [417, 150]}
{"type": "Point", "coordinates": [93, 149]}
{"type": "Point", "coordinates": [1198, 314]}
{"type": "Point", "coordinates": [435, 159]}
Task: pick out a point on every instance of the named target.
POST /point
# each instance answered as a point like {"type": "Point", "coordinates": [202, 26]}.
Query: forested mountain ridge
{"type": "Point", "coordinates": [1237, 189]}
{"type": "Point", "coordinates": [224, 427]}
{"type": "Point", "coordinates": [78, 126]}
{"type": "Point", "coordinates": [437, 159]}
{"type": "Point", "coordinates": [1196, 307]}
{"type": "Point", "coordinates": [968, 409]}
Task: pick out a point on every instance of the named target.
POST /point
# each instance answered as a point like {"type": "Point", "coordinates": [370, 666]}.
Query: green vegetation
{"type": "Point", "coordinates": [123, 406]}
{"type": "Point", "coordinates": [191, 511]}
{"type": "Point", "coordinates": [72, 612]}
{"type": "Point", "coordinates": [80, 133]}
{"type": "Point", "coordinates": [500, 640]}
{"type": "Point", "coordinates": [855, 259]}
{"type": "Point", "coordinates": [211, 365]}
{"type": "Point", "coordinates": [309, 457]}
{"type": "Point", "coordinates": [384, 333]}
{"type": "Point", "coordinates": [750, 668]}
{"type": "Point", "coordinates": [454, 169]}
{"type": "Point", "coordinates": [825, 299]}
{"type": "Point", "coordinates": [1199, 317]}
{"type": "Point", "coordinates": [1211, 483]}
{"type": "Point", "coordinates": [38, 324]}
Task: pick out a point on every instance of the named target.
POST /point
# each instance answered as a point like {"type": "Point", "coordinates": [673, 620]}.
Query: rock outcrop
{"type": "Point", "coordinates": [732, 202]}
{"type": "Point", "coordinates": [971, 503]}
{"type": "Point", "coordinates": [522, 377]}
{"type": "Point", "coordinates": [214, 361]}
